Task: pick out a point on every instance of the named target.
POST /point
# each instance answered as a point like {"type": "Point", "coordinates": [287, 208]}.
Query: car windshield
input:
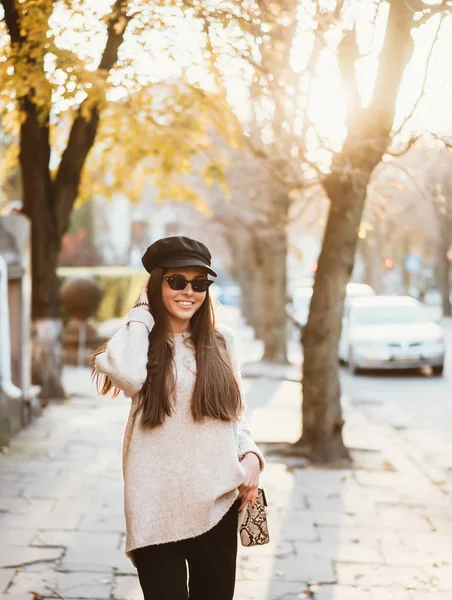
{"type": "Point", "coordinates": [373, 315]}
{"type": "Point", "coordinates": [359, 291]}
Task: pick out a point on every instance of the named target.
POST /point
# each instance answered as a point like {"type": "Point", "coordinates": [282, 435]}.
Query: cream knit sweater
{"type": "Point", "coordinates": [180, 478]}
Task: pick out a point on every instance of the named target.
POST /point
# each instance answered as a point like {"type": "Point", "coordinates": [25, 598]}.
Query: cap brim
{"type": "Point", "coordinates": [186, 262]}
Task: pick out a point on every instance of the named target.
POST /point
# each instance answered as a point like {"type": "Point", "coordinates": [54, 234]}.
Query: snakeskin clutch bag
{"type": "Point", "coordinates": [254, 527]}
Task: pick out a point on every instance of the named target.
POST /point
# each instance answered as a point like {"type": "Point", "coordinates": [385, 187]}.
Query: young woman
{"type": "Point", "coordinates": [189, 463]}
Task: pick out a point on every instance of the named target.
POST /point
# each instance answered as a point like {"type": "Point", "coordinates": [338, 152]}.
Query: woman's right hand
{"type": "Point", "coordinates": [143, 297]}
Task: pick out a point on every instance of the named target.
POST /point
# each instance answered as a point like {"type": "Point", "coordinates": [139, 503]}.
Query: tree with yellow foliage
{"type": "Point", "coordinates": [66, 81]}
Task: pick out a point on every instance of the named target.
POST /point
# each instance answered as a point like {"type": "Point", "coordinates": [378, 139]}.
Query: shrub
{"type": "Point", "coordinates": [120, 287]}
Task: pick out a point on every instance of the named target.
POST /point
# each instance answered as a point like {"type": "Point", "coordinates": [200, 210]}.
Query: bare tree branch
{"type": "Point", "coordinates": [446, 140]}
{"type": "Point", "coordinates": [402, 167]}
{"type": "Point", "coordinates": [417, 6]}
{"type": "Point", "coordinates": [424, 81]}
{"type": "Point", "coordinates": [373, 22]}
{"type": "Point", "coordinates": [411, 142]}
{"type": "Point", "coordinates": [310, 69]}
{"type": "Point", "coordinates": [348, 54]}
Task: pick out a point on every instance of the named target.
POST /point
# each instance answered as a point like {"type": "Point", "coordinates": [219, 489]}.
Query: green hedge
{"type": "Point", "coordinates": [120, 287]}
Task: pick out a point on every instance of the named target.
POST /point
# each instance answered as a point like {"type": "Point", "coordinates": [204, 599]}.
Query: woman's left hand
{"type": "Point", "coordinates": [248, 489]}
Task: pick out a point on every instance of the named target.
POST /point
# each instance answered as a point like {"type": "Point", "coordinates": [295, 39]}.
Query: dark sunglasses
{"type": "Point", "coordinates": [179, 283]}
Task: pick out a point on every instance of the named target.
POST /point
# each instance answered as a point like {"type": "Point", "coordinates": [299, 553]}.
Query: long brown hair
{"type": "Point", "coordinates": [216, 392]}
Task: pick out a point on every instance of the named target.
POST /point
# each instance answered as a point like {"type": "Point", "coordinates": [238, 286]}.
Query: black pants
{"type": "Point", "coordinates": [211, 558]}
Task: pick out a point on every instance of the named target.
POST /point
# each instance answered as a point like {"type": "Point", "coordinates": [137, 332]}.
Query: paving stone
{"type": "Point", "coordinates": [293, 568]}
{"type": "Point", "coordinates": [370, 537]}
{"type": "Point", "coordinates": [370, 576]}
{"type": "Point", "coordinates": [51, 520]}
{"type": "Point", "coordinates": [441, 523]}
{"type": "Point", "coordinates": [430, 542]}
{"type": "Point", "coordinates": [69, 585]}
{"type": "Point", "coordinates": [14, 556]}
{"type": "Point", "coordinates": [249, 590]}
{"type": "Point", "coordinates": [37, 468]}
{"type": "Point", "coordinates": [127, 587]}
{"type": "Point", "coordinates": [106, 506]}
{"type": "Point", "coordinates": [285, 590]}
{"type": "Point", "coordinates": [261, 569]}
{"type": "Point", "coordinates": [16, 537]}
{"type": "Point", "coordinates": [80, 539]}
{"type": "Point", "coordinates": [344, 592]}
{"type": "Point", "coordinates": [344, 552]}
{"type": "Point", "coordinates": [103, 522]}
{"type": "Point", "coordinates": [85, 585]}
{"type": "Point", "coordinates": [441, 577]}
{"type": "Point", "coordinates": [5, 577]}
{"type": "Point", "coordinates": [351, 503]}
{"type": "Point", "coordinates": [400, 593]}
{"type": "Point", "coordinates": [9, 596]}
{"type": "Point", "coordinates": [402, 519]}
{"type": "Point", "coordinates": [11, 489]}
{"type": "Point", "coordinates": [311, 568]}
{"type": "Point", "coordinates": [96, 559]}
{"type": "Point", "coordinates": [296, 529]}
{"type": "Point", "coordinates": [333, 478]}
{"type": "Point", "coordinates": [53, 488]}
{"type": "Point", "coordinates": [42, 582]}
{"type": "Point", "coordinates": [395, 481]}
{"type": "Point", "coordinates": [23, 504]}
{"type": "Point", "coordinates": [425, 496]}
{"type": "Point", "coordinates": [306, 519]}
{"type": "Point", "coordinates": [280, 550]}
{"type": "Point", "coordinates": [419, 557]}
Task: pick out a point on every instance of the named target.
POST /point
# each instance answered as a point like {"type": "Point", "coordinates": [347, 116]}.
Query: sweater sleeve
{"type": "Point", "coordinates": [125, 358]}
{"type": "Point", "coordinates": [246, 442]}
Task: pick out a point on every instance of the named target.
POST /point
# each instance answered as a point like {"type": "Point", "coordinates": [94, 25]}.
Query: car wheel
{"type": "Point", "coordinates": [439, 370]}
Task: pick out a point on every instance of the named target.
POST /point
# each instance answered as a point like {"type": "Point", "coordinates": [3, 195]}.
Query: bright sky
{"type": "Point", "coordinates": [169, 54]}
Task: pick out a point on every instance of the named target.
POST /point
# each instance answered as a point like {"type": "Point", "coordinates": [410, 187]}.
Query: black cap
{"type": "Point", "coordinates": [177, 251]}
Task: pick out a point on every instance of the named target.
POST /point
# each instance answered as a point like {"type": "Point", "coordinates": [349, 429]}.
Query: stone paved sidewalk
{"type": "Point", "coordinates": [382, 531]}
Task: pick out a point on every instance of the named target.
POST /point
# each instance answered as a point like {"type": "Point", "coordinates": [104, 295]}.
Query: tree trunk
{"type": "Point", "coordinates": [243, 269]}
{"type": "Point", "coordinates": [444, 279]}
{"type": "Point", "coordinates": [38, 205]}
{"type": "Point", "coordinates": [368, 137]}
{"type": "Point", "coordinates": [246, 301]}
{"type": "Point", "coordinates": [47, 326]}
{"type": "Point", "coordinates": [250, 282]}
{"type": "Point", "coordinates": [273, 297]}
{"type": "Point", "coordinates": [372, 258]}
{"type": "Point", "coordinates": [270, 289]}
{"type": "Point", "coordinates": [322, 415]}
{"type": "Point", "coordinates": [258, 292]}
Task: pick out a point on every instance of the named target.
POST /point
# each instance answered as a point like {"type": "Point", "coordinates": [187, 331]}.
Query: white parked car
{"type": "Point", "coordinates": [298, 309]}
{"type": "Point", "coordinates": [390, 332]}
